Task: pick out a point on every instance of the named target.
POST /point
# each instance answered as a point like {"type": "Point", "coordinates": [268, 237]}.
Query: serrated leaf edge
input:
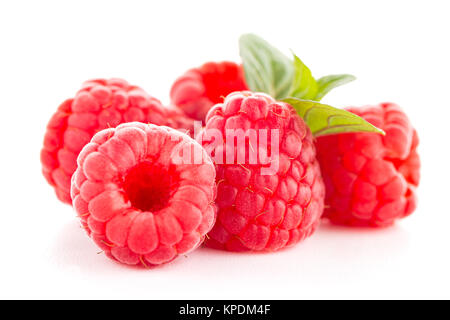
{"type": "Point", "coordinates": [346, 114]}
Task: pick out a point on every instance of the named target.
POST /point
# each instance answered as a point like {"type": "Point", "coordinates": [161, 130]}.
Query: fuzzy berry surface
{"type": "Point", "coordinates": [259, 211]}
{"type": "Point", "coordinates": [371, 179]}
{"type": "Point", "coordinates": [137, 202]}
{"type": "Point", "coordinates": [98, 105]}
{"type": "Point", "coordinates": [199, 89]}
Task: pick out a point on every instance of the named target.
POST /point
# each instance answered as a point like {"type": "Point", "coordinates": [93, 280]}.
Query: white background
{"type": "Point", "coordinates": [399, 50]}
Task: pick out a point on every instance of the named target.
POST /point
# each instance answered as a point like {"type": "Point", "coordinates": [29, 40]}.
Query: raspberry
{"type": "Point", "coordinates": [98, 105]}
{"type": "Point", "coordinates": [199, 89]}
{"type": "Point", "coordinates": [371, 179]}
{"type": "Point", "coordinates": [137, 202]}
{"type": "Point", "coordinates": [262, 211]}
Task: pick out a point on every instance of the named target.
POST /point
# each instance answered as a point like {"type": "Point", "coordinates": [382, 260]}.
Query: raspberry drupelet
{"type": "Point", "coordinates": [98, 105]}
{"type": "Point", "coordinates": [257, 210]}
{"type": "Point", "coordinates": [196, 91]}
{"type": "Point", "coordinates": [137, 200]}
{"type": "Point", "coordinates": [371, 179]}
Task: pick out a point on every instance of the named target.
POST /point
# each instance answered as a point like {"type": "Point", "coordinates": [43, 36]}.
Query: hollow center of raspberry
{"type": "Point", "coordinates": [148, 186]}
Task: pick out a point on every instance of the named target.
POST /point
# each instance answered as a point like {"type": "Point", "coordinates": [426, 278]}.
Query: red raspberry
{"type": "Point", "coordinates": [136, 200]}
{"type": "Point", "coordinates": [371, 179]}
{"type": "Point", "coordinates": [98, 105]}
{"type": "Point", "coordinates": [257, 211]}
{"type": "Point", "coordinates": [200, 88]}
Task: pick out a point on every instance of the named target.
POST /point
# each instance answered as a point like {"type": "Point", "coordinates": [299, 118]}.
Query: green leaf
{"type": "Point", "coordinates": [304, 85]}
{"type": "Point", "coordinates": [323, 119]}
{"type": "Point", "coordinates": [328, 83]}
{"type": "Point", "coordinates": [266, 68]}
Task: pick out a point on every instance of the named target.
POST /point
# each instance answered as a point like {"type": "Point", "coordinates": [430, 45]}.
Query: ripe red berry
{"type": "Point", "coordinates": [199, 89]}
{"type": "Point", "coordinates": [262, 210]}
{"type": "Point", "coordinates": [98, 105]}
{"type": "Point", "coordinates": [137, 200]}
{"type": "Point", "coordinates": [371, 179]}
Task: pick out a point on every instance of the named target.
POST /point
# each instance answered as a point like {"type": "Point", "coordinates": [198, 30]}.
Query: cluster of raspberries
{"type": "Point", "coordinates": [113, 153]}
